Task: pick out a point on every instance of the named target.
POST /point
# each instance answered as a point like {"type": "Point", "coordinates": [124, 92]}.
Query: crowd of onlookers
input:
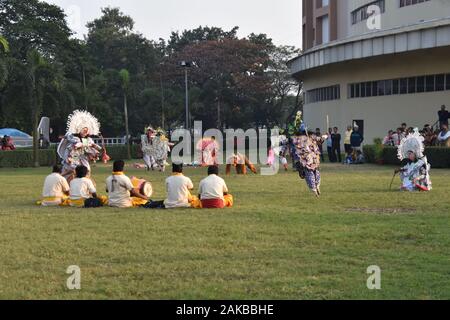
{"type": "Point", "coordinates": [353, 140]}
{"type": "Point", "coordinates": [434, 135]}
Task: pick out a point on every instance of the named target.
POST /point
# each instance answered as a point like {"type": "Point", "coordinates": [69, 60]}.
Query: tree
{"type": "Point", "coordinates": [125, 81]}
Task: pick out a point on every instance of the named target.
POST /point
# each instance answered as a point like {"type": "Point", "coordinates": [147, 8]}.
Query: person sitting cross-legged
{"type": "Point", "coordinates": [56, 189]}
{"type": "Point", "coordinates": [121, 192]}
{"type": "Point", "coordinates": [82, 189]}
{"type": "Point", "coordinates": [213, 191]}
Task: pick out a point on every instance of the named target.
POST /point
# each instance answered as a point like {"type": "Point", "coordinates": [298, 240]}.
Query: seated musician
{"type": "Point", "coordinates": [121, 192]}
{"type": "Point", "coordinates": [56, 189]}
{"type": "Point", "coordinates": [82, 189]}
{"type": "Point", "coordinates": [213, 191]}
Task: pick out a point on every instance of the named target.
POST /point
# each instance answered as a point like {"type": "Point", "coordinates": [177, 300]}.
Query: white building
{"type": "Point", "coordinates": [379, 63]}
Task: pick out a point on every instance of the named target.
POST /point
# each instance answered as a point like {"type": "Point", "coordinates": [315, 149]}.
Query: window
{"type": "Point", "coordinates": [405, 3]}
{"type": "Point", "coordinates": [363, 13]}
{"type": "Point", "coordinates": [411, 85]}
{"type": "Point", "coordinates": [323, 94]}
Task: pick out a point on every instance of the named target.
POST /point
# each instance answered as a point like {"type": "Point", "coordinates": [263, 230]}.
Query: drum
{"type": "Point", "coordinates": [143, 186]}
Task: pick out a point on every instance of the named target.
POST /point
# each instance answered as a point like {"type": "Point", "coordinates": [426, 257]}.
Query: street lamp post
{"type": "Point", "coordinates": [186, 65]}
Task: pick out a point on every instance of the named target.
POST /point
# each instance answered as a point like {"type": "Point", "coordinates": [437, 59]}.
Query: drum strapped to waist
{"type": "Point", "coordinates": [145, 188]}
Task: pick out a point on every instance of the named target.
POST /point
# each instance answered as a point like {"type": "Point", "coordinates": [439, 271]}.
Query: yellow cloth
{"type": "Point", "coordinates": [64, 201]}
{"type": "Point", "coordinates": [137, 202]}
{"type": "Point", "coordinates": [229, 201]}
{"type": "Point", "coordinates": [195, 202]}
{"type": "Point", "coordinates": [77, 203]}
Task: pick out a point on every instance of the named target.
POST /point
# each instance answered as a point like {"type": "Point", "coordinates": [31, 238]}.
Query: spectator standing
{"type": "Point", "coordinates": [336, 144]}
{"type": "Point", "coordinates": [444, 136]}
{"type": "Point", "coordinates": [330, 145]}
{"type": "Point", "coordinates": [443, 115]}
{"type": "Point", "coordinates": [389, 139]}
{"type": "Point", "coordinates": [347, 143]}
{"type": "Point", "coordinates": [356, 139]}
{"type": "Point", "coordinates": [320, 144]}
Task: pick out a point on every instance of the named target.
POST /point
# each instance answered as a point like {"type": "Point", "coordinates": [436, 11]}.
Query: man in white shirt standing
{"type": "Point", "coordinates": [178, 190]}
{"type": "Point", "coordinates": [213, 191]}
{"type": "Point", "coordinates": [56, 189]}
{"type": "Point", "coordinates": [121, 192]}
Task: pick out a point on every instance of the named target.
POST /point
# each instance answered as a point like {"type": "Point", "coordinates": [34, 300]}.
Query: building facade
{"type": "Point", "coordinates": [377, 63]}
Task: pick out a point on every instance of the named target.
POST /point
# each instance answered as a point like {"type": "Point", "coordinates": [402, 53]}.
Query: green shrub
{"type": "Point", "coordinates": [24, 158]}
{"type": "Point", "coordinates": [439, 157]}
{"type": "Point", "coordinates": [119, 152]}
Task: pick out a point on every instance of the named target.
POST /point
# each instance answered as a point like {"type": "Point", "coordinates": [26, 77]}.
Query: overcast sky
{"type": "Point", "coordinates": [279, 19]}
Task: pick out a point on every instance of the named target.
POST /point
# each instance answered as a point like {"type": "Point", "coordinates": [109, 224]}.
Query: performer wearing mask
{"type": "Point", "coordinates": [415, 175]}
{"type": "Point", "coordinates": [78, 148]}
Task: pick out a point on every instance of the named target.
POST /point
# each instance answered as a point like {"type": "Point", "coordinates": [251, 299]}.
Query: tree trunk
{"type": "Point", "coordinates": [35, 115]}
{"type": "Point", "coordinates": [127, 130]}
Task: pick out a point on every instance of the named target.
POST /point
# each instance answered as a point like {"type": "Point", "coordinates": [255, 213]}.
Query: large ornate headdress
{"type": "Point", "coordinates": [412, 143]}
{"type": "Point", "coordinates": [81, 119]}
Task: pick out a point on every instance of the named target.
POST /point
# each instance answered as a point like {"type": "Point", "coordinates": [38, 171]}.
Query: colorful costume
{"type": "Point", "coordinates": [415, 175]}
{"type": "Point", "coordinates": [209, 150]}
{"type": "Point", "coordinates": [77, 148]}
{"type": "Point", "coordinates": [307, 155]}
{"type": "Point", "coordinates": [147, 148]}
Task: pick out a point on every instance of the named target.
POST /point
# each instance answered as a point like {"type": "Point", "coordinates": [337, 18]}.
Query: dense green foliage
{"type": "Point", "coordinates": [24, 158]}
{"type": "Point", "coordinates": [438, 157]}
{"type": "Point", "coordinates": [235, 82]}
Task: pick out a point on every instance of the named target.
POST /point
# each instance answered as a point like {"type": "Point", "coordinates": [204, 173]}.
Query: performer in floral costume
{"type": "Point", "coordinates": [147, 147]}
{"type": "Point", "coordinates": [307, 155]}
{"type": "Point", "coordinates": [415, 175]}
{"type": "Point", "coordinates": [77, 148]}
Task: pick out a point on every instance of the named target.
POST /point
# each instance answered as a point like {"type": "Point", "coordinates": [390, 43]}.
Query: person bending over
{"type": "Point", "coordinates": [213, 191]}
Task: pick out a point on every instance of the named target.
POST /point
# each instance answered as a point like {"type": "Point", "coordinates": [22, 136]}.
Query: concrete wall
{"type": "Point", "coordinates": [379, 113]}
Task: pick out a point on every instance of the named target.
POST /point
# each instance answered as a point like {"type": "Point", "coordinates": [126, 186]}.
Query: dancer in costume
{"type": "Point", "coordinates": [161, 148]}
{"type": "Point", "coordinates": [241, 163]}
{"type": "Point", "coordinates": [415, 175]}
{"type": "Point", "coordinates": [148, 149]}
{"type": "Point", "coordinates": [209, 150]}
{"type": "Point", "coordinates": [307, 155]}
{"type": "Point", "coordinates": [77, 148]}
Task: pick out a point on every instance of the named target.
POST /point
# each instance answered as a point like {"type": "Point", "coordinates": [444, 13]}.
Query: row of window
{"type": "Point", "coordinates": [363, 13]}
{"type": "Point", "coordinates": [419, 84]}
{"type": "Point", "coordinates": [405, 3]}
{"type": "Point", "coordinates": [323, 94]}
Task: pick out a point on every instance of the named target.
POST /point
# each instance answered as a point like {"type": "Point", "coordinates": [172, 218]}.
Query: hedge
{"type": "Point", "coordinates": [439, 157]}
{"type": "Point", "coordinates": [24, 158]}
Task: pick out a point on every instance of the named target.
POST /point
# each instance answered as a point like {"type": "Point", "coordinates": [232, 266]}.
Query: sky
{"type": "Point", "coordinates": [279, 19]}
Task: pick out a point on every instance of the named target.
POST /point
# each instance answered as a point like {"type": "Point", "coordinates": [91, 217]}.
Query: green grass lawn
{"type": "Point", "coordinates": [278, 242]}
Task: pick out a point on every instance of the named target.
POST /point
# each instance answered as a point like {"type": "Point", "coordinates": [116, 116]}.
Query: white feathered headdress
{"type": "Point", "coordinates": [413, 142]}
{"type": "Point", "coordinates": [81, 119]}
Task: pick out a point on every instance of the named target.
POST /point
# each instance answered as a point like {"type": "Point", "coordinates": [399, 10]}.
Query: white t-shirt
{"type": "Point", "coordinates": [212, 187]}
{"type": "Point", "coordinates": [81, 189]}
{"type": "Point", "coordinates": [55, 186]}
{"type": "Point", "coordinates": [178, 193]}
{"type": "Point", "coordinates": [119, 187]}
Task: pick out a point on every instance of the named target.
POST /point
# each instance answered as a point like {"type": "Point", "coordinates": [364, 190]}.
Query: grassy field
{"type": "Point", "coordinates": [278, 242]}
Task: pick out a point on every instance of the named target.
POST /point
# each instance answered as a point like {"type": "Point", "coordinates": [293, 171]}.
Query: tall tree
{"type": "Point", "coordinates": [125, 82]}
